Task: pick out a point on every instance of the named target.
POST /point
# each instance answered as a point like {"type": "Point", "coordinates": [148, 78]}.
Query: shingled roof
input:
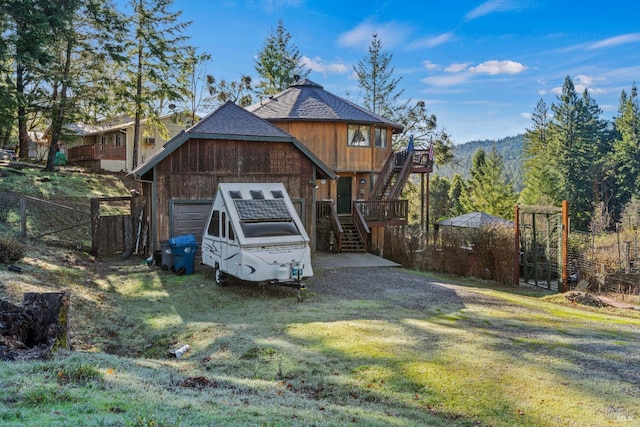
{"type": "Point", "coordinates": [231, 119]}
{"type": "Point", "coordinates": [305, 100]}
{"type": "Point", "coordinates": [231, 122]}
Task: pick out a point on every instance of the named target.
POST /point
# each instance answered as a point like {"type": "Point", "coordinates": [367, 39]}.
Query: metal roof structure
{"type": "Point", "coordinates": [474, 220]}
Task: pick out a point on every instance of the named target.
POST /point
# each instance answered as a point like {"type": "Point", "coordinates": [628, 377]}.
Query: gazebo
{"type": "Point", "coordinates": [473, 220]}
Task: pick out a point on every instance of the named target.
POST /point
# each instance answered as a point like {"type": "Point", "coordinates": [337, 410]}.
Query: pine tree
{"type": "Point", "coordinates": [542, 179]}
{"type": "Point", "coordinates": [440, 203]}
{"type": "Point", "coordinates": [278, 62]}
{"type": "Point", "coordinates": [381, 94]}
{"type": "Point", "coordinates": [158, 73]}
{"type": "Point", "coordinates": [87, 35]}
{"type": "Point", "coordinates": [487, 190]}
{"type": "Point", "coordinates": [376, 80]}
{"type": "Point", "coordinates": [26, 40]}
{"type": "Point", "coordinates": [625, 149]}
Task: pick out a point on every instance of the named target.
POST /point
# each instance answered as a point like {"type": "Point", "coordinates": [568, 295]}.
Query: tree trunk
{"type": "Point", "coordinates": [59, 110]}
{"type": "Point", "coordinates": [36, 329]}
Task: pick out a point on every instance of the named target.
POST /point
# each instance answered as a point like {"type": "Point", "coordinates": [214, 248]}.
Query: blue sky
{"type": "Point", "coordinates": [481, 66]}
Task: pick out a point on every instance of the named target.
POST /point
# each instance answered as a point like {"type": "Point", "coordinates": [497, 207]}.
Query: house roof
{"type": "Point", "coordinates": [474, 220]}
{"type": "Point", "coordinates": [231, 122]}
{"type": "Point", "coordinates": [120, 122]}
{"type": "Point", "coordinates": [306, 100]}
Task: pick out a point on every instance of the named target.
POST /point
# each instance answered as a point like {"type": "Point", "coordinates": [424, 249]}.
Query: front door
{"type": "Point", "coordinates": [344, 196]}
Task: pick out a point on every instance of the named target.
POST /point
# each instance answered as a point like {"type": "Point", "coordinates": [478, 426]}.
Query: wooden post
{"type": "Point", "coordinates": [516, 254]}
{"type": "Point", "coordinates": [627, 256]}
{"type": "Point", "coordinates": [23, 216]}
{"type": "Point", "coordinates": [565, 245]}
{"type": "Point", "coordinates": [95, 218]}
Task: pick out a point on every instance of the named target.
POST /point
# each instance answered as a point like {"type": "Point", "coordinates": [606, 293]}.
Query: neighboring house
{"type": "Point", "coordinates": [229, 145]}
{"type": "Point", "coordinates": [356, 144]}
{"type": "Point", "coordinates": [108, 145]}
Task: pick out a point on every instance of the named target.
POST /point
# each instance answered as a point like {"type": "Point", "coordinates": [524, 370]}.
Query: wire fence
{"type": "Point", "coordinates": [599, 263]}
{"type": "Point", "coordinates": [65, 223]}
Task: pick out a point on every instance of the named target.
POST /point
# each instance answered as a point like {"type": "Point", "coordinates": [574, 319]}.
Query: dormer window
{"type": "Point", "coordinates": [358, 136]}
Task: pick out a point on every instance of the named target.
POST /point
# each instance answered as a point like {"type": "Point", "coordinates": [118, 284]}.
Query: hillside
{"type": "Point", "coordinates": [510, 148]}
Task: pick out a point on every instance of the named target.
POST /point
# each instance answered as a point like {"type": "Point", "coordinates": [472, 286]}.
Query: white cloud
{"type": "Point", "coordinates": [489, 7]}
{"type": "Point", "coordinates": [494, 67]}
{"type": "Point", "coordinates": [447, 80]}
{"type": "Point", "coordinates": [526, 116]}
{"type": "Point", "coordinates": [431, 41]}
{"type": "Point", "coordinates": [390, 34]}
{"type": "Point", "coordinates": [430, 65]}
{"type": "Point", "coordinates": [616, 41]}
{"type": "Point", "coordinates": [317, 64]}
{"type": "Point", "coordinates": [456, 68]}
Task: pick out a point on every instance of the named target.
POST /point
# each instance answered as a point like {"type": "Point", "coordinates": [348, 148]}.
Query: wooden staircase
{"type": "Point", "coordinates": [351, 240]}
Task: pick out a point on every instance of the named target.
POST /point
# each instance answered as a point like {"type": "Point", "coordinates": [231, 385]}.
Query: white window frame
{"type": "Point", "coordinates": [358, 135]}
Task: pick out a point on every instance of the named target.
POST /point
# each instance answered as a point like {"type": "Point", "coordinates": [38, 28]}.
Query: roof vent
{"type": "Point", "coordinates": [296, 78]}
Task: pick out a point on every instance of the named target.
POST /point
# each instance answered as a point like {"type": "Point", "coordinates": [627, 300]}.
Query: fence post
{"type": "Point", "coordinates": [516, 255]}
{"type": "Point", "coordinates": [565, 245]}
{"type": "Point", "coordinates": [23, 216]}
{"type": "Point", "coordinates": [95, 218]}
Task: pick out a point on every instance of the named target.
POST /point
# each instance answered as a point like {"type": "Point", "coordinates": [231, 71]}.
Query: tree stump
{"type": "Point", "coordinates": [36, 329]}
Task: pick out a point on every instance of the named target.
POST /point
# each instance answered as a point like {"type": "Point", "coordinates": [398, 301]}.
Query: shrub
{"type": "Point", "coordinates": [11, 249]}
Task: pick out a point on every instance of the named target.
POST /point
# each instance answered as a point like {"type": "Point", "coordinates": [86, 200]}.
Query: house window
{"type": "Point", "coordinates": [119, 138]}
{"type": "Point", "coordinates": [102, 140]}
{"type": "Point", "coordinates": [381, 138]}
{"type": "Point", "coordinates": [358, 136]}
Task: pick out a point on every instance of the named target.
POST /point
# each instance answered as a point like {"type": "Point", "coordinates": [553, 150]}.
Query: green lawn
{"type": "Point", "coordinates": [486, 357]}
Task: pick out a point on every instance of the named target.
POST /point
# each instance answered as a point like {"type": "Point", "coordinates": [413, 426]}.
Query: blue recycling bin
{"type": "Point", "coordinates": [183, 249]}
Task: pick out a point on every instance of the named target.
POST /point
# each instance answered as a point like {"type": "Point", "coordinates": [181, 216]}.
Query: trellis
{"type": "Point", "coordinates": [542, 245]}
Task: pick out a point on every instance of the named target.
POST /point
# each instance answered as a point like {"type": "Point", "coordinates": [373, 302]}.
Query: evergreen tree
{"type": "Point", "coordinates": [380, 94]}
{"type": "Point", "coordinates": [278, 62]}
{"type": "Point", "coordinates": [456, 191]}
{"type": "Point", "coordinates": [27, 36]}
{"type": "Point", "coordinates": [376, 80]}
{"type": "Point", "coordinates": [543, 182]}
{"type": "Point", "coordinates": [440, 203]}
{"type": "Point", "coordinates": [582, 146]}
{"type": "Point", "coordinates": [487, 190]}
{"type": "Point", "coordinates": [88, 34]}
{"type": "Point", "coordinates": [157, 74]}
{"type": "Point", "coordinates": [625, 148]}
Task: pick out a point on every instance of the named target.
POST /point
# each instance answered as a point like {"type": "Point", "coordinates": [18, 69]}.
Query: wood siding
{"type": "Point", "coordinates": [328, 141]}
{"type": "Point", "coordinates": [195, 169]}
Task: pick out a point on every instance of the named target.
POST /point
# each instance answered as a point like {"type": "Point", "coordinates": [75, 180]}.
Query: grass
{"type": "Point", "coordinates": [269, 360]}
{"type": "Point", "coordinates": [496, 357]}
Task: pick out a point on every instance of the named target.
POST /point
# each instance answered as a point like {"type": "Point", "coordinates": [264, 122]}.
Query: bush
{"type": "Point", "coordinates": [11, 250]}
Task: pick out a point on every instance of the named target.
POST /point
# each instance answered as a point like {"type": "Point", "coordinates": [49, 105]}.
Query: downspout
{"type": "Point", "coordinates": [313, 211]}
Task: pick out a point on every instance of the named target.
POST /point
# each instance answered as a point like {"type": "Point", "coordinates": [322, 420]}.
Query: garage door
{"type": "Point", "coordinates": [189, 217]}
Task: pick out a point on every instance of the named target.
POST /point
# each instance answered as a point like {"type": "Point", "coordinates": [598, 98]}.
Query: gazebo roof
{"type": "Point", "coordinates": [474, 220]}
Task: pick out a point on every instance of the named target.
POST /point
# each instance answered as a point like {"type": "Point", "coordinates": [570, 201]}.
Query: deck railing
{"type": "Point", "coordinates": [377, 211]}
{"type": "Point", "coordinates": [326, 209]}
{"type": "Point", "coordinates": [97, 152]}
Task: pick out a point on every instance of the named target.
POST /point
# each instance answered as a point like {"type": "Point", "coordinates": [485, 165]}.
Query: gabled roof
{"type": "Point", "coordinates": [474, 220]}
{"type": "Point", "coordinates": [306, 100]}
{"type": "Point", "coordinates": [231, 122]}
{"type": "Point", "coordinates": [231, 119]}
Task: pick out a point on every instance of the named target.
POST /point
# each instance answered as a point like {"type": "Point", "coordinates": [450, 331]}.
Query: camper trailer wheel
{"type": "Point", "coordinates": [219, 277]}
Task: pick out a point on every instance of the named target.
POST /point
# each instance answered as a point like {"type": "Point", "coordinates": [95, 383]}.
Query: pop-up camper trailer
{"type": "Point", "coordinates": [254, 233]}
